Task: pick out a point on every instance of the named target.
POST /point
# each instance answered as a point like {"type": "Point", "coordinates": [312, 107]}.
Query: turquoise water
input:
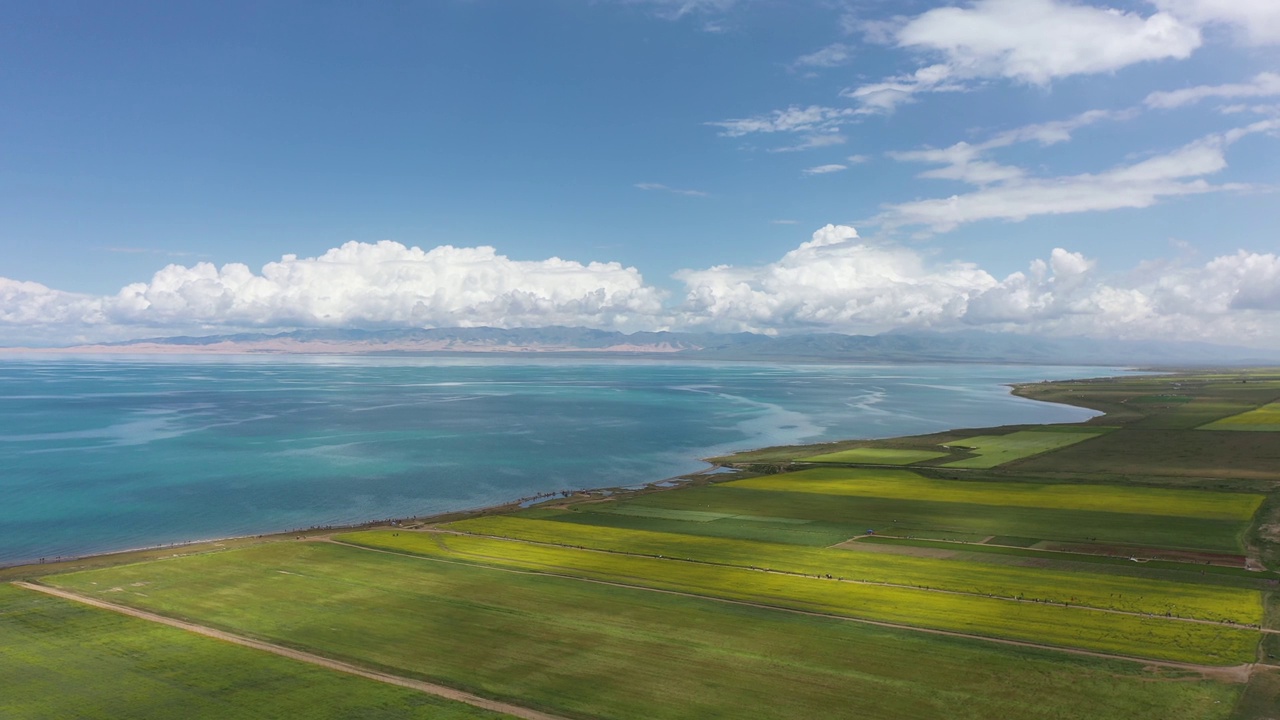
{"type": "Point", "coordinates": [115, 453]}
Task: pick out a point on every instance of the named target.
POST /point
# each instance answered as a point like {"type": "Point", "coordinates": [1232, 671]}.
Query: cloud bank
{"type": "Point", "coordinates": [834, 282]}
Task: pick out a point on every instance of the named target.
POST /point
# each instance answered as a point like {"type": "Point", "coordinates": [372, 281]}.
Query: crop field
{"type": "Point", "coordinates": [1084, 589]}
{"type": "Point", "coordinates": [1265, 418]}
{"type": "Point", "coordinates": [920, 518]}
{"type": "Point", "coordinates": [875, 456]}
{"type": "Point", "coordinates": [585, 649]}
{"type": "Point", "coordinates": [993, 450]}
{"type": "Point", "coordinates": [1079, 627]}
{"type": "Point", "coordinates": [906, 485]}
{"type": "Point", "coordinates": [60, 659]}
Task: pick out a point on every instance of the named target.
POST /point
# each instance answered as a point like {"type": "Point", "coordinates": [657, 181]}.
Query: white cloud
{"type": "Point", "coordinates": [831, 282]}
{"type": "Point", "coordinates": [1007, 193]}
{"type": "Point", "coordinates": [825, 169]}
{"type": "Point", "coordinates": [1263, 85]}
{"type": "Point", "coordinates": [857, 159]}
{"type": "Point", "coordinates": [1257, 21]}
{"type": "Point", "coordinates": [355, 285]}
{"type": "Point", "coordinates": [1036, 41]}
{"type": "Point", "coordinates": [812, 119]}
{"type": "Point", "coordinates": [659, 187]}
{"type": "Point", "coordinates": [833, 55]}
{"type": "Point", "coordinates": [1025, 41]}
{"type": "Point", "coordinates": [678, 9]}
{"type": "Point", "coordinates": [811, 142]}
{"type": "Point", "coordinates": [837, 282]}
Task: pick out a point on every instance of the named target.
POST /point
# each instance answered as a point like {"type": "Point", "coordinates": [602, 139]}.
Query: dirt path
{"type": "Point", "coordinates": [1233, 673]}
{"type": "Point", "coordinates": [422, 686]}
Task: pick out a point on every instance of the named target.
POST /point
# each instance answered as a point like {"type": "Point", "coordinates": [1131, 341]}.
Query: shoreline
{"type": "Point", "coordinates": [12, 571]}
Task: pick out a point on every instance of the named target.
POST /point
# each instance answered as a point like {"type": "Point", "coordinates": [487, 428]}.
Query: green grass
{"type": "Point", "coordinates": [1046, 558]}
{"type": "Point", "coordinates": [1073, 627]}
{"type": "Point", "coordinates": [931, 519]}
{"type": "Point", "coordinates": [906, 485]}
{"type": "Point", "coordinates": [1078, 588]}
{"type": "Point", "coordinates": [993, 450]}
{"type": "Point", "coordinates": [1265, 418]}
{"type": "Point", "coordinates": [875, 456]}
{"type": "Point", "coordinates": [591, 650]}
{"type": "Point", "coordinates": [60, 659]}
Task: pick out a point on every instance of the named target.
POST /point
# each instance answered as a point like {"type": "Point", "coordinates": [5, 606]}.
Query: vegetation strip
{"type": "Point", "coordinates": [795, 573]}
{"type": "Point", "coordinates": [1104, 592]}
{"type": "Point", "coordinates": [1036, 625]}
{"type": "Point", "coordinates": [430, 688]}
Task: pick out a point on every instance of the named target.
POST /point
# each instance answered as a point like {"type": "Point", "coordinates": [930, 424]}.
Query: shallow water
{"type": "Point", "coordinates": [100, 454]}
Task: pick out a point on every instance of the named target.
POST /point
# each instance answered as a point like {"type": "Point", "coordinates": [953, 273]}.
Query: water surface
{"type": "Point", "coordinates": [100, 454]}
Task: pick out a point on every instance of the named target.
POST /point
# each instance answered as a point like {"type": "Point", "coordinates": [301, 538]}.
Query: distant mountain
{"type": "Point", "coordinates": [895, 346]}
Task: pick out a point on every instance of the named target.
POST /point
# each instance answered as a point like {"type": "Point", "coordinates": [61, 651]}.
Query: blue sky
{"type": "Point", "coordinates": [1043, 166]}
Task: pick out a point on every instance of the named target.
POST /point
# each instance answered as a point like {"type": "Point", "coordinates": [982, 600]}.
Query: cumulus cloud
{"type": "Point", "coordinates": [838, 282]}
{"type": "Point", "coordinates": [834, 282]}
{"type": "Point", "coordinates": [381, 284]}
{"type": "Point", "coordinates": [1026, 41]}
{"type": "Point", "coordinates": [1265, 84]}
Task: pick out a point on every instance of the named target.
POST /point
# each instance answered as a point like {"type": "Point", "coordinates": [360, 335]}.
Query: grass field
{"type": "Point", "coordinates": [1265, 418]}
{"type": "Point", "coordinates": [875, 456]}
{"type": "Point", "coordinates": [593, 650]}
{"type": "Point", "coordinates": [60, 660]}
{"type": "Point", "coordinates": [906, 485]}
{"type": "Point", "coordinates": [1079, 588]}
{"type": "Point", "coordinates": [850, 515]}
{"type": "Point", "coordinates": [1078, 627]}
{"type": "Point", "coordinates": [993, 450]}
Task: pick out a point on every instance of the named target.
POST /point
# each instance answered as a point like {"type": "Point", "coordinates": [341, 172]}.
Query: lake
{"type": "Point", "coordinates": [110, 453]}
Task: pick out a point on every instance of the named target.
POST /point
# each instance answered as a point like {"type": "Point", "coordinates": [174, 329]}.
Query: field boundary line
{"type": "Point", "coordinates": [430, 688]}
{"type": "Point", "coordinates": [1227, 673]}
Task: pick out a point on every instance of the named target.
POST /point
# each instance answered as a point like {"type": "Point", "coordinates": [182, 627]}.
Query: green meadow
{"type": "Point", "coordinates": [1091, 590]}
{"type": "Point", "coordinates": [993, 450]}
{"type": "Point", "coordinates": [833, 518]}
{"type": "Point", "coordinates": [1265, 419]}
{"type": "Point", "coordinates": [906, 485]}
{"type": "Point", "coordinates": [590, 650]}
{"type": "Point", "coordinates": [60, 659]}
{"type": "Point", "coordinates": [875, 456]}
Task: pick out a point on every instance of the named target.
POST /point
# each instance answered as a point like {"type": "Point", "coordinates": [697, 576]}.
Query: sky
{"type": "Point", "coordinates": [1094, 168]}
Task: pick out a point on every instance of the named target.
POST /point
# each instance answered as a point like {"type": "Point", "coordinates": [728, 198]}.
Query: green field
{"type": "Point", "coordinates": [60, 659]}
{"type": "Point", "coordinates": [593, 650]}
{"type": "Point", "coordinates": [1091, 590]}
{"type": "Point", "coordinates": [993, 450]}
{"type": "Point", "coordinates": [875, 456]}
{"type": "Point", "coordinates": [1079, 627]}
{"type": "Point", "coordinates": [906, 485]}
{"type": "Point", "coordinates": [833, 518]}
{"type": "Point", "coordinates": [1265, 418]}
